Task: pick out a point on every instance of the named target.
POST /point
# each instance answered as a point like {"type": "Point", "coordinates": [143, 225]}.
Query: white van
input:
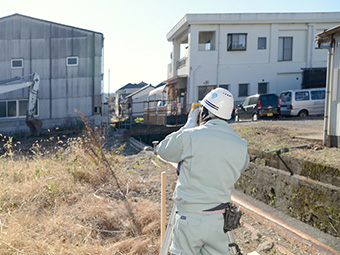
{"type": "Point", "coordinates": [302, 102]}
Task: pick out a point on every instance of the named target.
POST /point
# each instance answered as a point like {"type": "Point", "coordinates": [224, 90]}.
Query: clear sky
{"type": "Point", "coordinates": [135, 44]}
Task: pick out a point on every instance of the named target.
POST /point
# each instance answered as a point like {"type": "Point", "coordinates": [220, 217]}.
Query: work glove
{"type": "Point", "coordinates": [192, 119]}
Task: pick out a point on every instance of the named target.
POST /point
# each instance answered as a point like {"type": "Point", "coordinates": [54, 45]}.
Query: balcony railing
{"type": "Point", "coordinates": [182, 62]}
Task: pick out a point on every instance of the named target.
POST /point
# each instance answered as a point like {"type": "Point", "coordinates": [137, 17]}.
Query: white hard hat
{"type": "Point", "coordinates": [219, 102]}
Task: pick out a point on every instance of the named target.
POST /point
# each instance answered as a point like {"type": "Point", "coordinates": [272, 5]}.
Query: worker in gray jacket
{"type": "Point", "coordinates": [211, 157]}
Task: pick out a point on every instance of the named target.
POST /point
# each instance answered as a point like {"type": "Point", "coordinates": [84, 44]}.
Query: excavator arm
{"type": "Point", "coordinates": [31, 82]}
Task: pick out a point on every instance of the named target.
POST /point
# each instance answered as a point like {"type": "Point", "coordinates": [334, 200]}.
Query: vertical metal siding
{"type": "Point", "coordinates": [44, 47]}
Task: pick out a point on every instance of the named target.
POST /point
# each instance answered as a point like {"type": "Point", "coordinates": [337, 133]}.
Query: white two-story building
{"type": "Point", "coordinates": [247, 53]}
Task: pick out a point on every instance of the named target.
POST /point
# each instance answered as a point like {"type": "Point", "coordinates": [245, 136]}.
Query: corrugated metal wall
{"type": "Point", "coordinates": [44, 47]}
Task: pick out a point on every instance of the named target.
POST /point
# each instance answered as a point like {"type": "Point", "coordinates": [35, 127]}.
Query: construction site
{"type": "Point", "coordinates": [60, 196]}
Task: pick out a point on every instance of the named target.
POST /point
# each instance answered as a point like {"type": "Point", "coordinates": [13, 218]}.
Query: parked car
{"type": "Point", "coordinates": [303, 102]}
{"type": "Point", "coordinates": [257, 106]}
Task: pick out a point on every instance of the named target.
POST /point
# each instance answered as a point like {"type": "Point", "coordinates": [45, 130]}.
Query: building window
{"type": "Point", "coordinates": [262, 88]}
{"type": "Point", "coordinates": [203, 90]}
{"type": "Point", "coordinates": [261, 43]}
{"type": "Point", "coordinates": [237, 42]}
{"type": "Point", "coordinates": [285, 49]}
{"type": "Point", "coordinates": [15, 108]}
{"type": "Point", "coordinates": [72, 61]}
{"type": "Point", "coordinates": [206, 41]}
{"type": "Point", "coordinates": [17, 63]}
{"type": "Point", "coordinates": [225, 86]}
{"type": "Point", "coordinates": [243, 89]}
{"type": "Point", "coordinates": [97, 110]}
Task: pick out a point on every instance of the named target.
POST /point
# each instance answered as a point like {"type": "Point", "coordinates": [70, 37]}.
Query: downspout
{"type": "Point", "coordinates": [218, 57]}
{"type": "Point", "coordinates": [327, 96]}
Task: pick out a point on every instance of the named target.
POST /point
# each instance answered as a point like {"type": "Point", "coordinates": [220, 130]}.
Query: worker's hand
{"type": "Point", "coordinates": [192, 119]}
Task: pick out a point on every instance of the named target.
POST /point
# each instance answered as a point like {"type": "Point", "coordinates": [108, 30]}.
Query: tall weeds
{"type": "Point", "coordinates": [93, 146]}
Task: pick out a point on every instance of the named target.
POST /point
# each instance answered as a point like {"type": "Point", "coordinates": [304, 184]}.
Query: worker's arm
{"type": "Point", "coordinates": [175, 147]}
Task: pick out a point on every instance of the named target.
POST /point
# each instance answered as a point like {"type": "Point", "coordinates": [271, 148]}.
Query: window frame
{"type": "Point", "coordinates": [282, 51]}
{"type": "Point", "coordinates": [265, 43]}
{"type": "Point", "coordinates": [230, 40]}
{"type": "Point", "coordinates": [17, 59]}
{"type": "Point", "coordinates": [16, 104]}
{"type": "Point", "coordinates": [258, 87]}
{"type": "Point", "coordinates": [239, 90]}
{"type": "Point", "coordinates": [72, 57]}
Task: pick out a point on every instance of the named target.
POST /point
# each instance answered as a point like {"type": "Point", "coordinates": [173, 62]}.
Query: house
{"type": "Point", "coordinates": [121, 95]}
{"type": "Point", "coordinates": [330, 39]}
{"type": "Point", "coordinates": [69, 61]}
{"type": "Point", "coordinates": [138, 100]}
{"type": "Point", "coordinates": [246, 53]}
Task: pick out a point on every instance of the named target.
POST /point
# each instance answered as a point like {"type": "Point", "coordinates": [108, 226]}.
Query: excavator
{"type": "Point", "coordinates": [31, 82]}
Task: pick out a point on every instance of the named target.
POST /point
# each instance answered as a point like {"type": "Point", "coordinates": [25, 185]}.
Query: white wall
{"type": "Point", "coordinates": [220, 67]}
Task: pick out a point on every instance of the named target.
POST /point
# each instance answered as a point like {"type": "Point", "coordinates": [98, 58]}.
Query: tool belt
{"type": "Point", "coordinates": [232, 216]}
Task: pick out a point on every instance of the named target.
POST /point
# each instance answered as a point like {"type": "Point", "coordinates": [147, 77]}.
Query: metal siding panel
{"type": "Point", "coordinates": [59, 31]}
{"type": "Point", "coordinates": [58, 68]}
{"type": "Point", "coordinates": [80, 47]}
{"type": "Point", "coordinates": [3, 30]}
{"type": "Point", "coordinates": [25, 26]}
{"type": "Point", "coordinates": [17, 72]}
{"type": "Point", "coordinates": [97, 87]}
{"type": "Point", "coordinates": [83, 104]}
{"type": "Point", "coordinates": [11, 31]}
{"type": "Point", "coordinates": [98, 44]}
{"type": "Point", "coordinates": [79, 87]}
{"type": "Point", "coordinates": [80, 33]}
{"type": "Point", "coordinates": [40, 49]}
{"type": "Point", "coordinates": [59, 88]}
{"type": "Point", "coordinates": [44, 109]}
{"type": "Point", "coordinates": [18, 49]}
{"type": "Point", "coordinates": [61, 47]}
{"type": "Point", "coordinates": [3, 50]}
{"type": "Point", "coordinates": [3, 68]}
{"type": "Point", "coordinates": [83, 70]}
{"type": "Point", "coordinates": [59, 108]}
{"type": "Point", "coordinates": [40, 30]}
{"type": "Point", "coordinates": [72, 71]}
{"type": "Point", "coordinates": [41, 66]}
{"type": "Point", "coordinates": [44, 89]}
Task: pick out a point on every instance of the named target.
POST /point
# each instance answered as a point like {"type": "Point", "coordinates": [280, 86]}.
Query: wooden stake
{"type": "Point", "coordinates": [163, 203]}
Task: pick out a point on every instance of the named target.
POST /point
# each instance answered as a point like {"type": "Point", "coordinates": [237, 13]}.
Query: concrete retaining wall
{"type": "Point", "coordinates": [315, 171]}
{"type": "Point", "coordinates": [305, 199]}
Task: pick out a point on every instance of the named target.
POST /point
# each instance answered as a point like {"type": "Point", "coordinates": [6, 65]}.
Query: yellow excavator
{"type": "Point", "coordinates": [31, 82]}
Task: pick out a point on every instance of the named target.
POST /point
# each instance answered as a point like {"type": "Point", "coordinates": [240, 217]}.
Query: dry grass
{"type": "Point", "coordinates": [73, 199]}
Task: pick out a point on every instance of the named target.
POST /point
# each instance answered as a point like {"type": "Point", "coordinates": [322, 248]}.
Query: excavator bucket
{"type": "Point", "coordinates": [35, 126]}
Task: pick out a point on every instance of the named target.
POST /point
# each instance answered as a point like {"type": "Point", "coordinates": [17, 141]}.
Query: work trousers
{"type": "Point", "coordinates": [199, 233]}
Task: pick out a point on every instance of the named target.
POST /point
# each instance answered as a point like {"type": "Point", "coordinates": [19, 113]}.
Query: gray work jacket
{"type": "Point", "coordinates": [212, 158]}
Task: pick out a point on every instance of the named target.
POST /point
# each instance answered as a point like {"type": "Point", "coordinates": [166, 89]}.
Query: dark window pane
{"type": "Point", "coordinates": [262, 88]}
{"type": "Point", "coordinates": [12, 109]}
{"type": "Point", "coordinates": [262, 43]}
{"type": "Point", "coordinates": [243, 90]}
{"type": "Point", "coordinates": [23, 107]}
{"type": "Point", "coordinates": [3, 109]}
